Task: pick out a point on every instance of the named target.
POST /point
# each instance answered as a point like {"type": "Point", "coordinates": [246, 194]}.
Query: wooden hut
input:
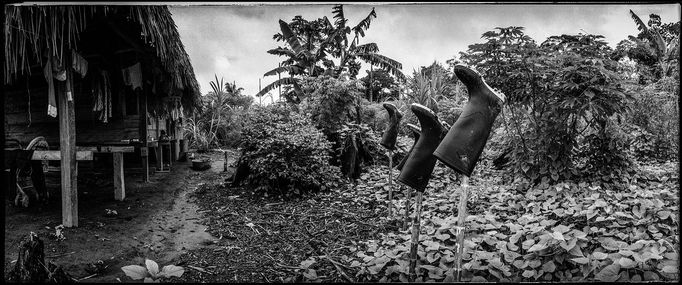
{"type": "Point", "coordinates": [94, 79]}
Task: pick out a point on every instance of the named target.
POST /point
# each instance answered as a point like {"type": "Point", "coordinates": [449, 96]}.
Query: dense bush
{"type": "Point", "coordinates": [217, 122]}
{"type": "Point", "coordinates": [656, 112]}
{"type": "Point", "coordinates": [560, 95]}
{"type": "Point", "coordinates": [285, 152]}
{"type": "Point", "coordinates": [331, 102]}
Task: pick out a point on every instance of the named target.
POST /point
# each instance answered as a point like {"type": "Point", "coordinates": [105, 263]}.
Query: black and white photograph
{"type": "Point", "coordinates": [341, 142]}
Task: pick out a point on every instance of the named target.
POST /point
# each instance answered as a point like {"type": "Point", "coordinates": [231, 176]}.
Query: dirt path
{"type": "Point", "coordinates": [158, 220]}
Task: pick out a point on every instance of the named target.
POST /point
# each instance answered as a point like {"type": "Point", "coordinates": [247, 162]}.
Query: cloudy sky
{"type": "Point", "coordinates": [231, 40]}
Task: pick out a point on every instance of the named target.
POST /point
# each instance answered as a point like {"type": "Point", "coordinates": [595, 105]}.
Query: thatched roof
{"type": "Point", "coordinates": [35, 30]}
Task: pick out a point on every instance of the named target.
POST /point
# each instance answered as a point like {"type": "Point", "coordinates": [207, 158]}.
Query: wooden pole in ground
{"type": "Point", "coordinates": [144, 150]}
{"type": "Point", "coordinates": [408, 196]}
{"type": "Point", "coordinates": [416, 225]}
{"type": "Point", "coordinates": [459, 229]}
{"type": "Point", "coordinates": [67, 147]}
{"type": "Point", "coordinates": [119, 182]}
{"type": "Point", "coordinates": [390, 183]}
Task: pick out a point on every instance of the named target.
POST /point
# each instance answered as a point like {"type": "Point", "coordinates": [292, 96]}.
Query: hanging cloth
{"type": "Point", "coordinates": [96, 88]}
{"type": "Point", "coordinates": [52, 100]}
{"type": "Point", "coordinates": [132, 76]}
{"type": "Point", "coordinates": [106, 97]}
{"type": "Point", "coordinates": [79, 64]}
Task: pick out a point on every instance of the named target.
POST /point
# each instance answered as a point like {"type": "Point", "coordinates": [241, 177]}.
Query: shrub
{"type": "Point", "coordinates": [285, 152]}
{"type": "Point", "coordinates": [331, 102]}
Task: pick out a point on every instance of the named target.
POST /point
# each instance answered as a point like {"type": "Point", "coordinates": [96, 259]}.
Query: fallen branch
{"type": "Point", "coordinates": [86, 277]}
{"type": "Point", "coordinates": [200, 269]}
{"type": "Point", "coordinates": [60, 255]}
{"type": "Point", "coordinates": [339, 269]}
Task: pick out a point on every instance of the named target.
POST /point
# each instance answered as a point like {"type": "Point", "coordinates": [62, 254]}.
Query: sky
{"type": "Point", "coordinates": [232, 40]}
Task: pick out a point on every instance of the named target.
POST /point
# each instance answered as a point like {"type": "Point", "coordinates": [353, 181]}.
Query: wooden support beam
{"type": "Point", "coordinates": [119, 182]}
{"type": "Point", "coordinates": [144, 151]}
{"type": "Point", "coordinates": [58, 154]}
{"type": "Point", "coordinates": [106, 149]}
{"type": "Point", "coordinates": [67, 146]}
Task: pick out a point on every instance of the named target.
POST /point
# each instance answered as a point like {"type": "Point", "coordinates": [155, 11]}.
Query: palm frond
{"type": "Point", "coordinates": [341, 20]}
{"type": "Point", "coordinates": [364, 24]}
{"type": "Point", "coordinates": [275, 84]}
{"type": "Point", "coordinates": [290, 37]}
{"type": "Point", "coordinates": [368, 48]}
{"type": "Point", "coordinates": [291, 69]}
{"type": "Point", "coordinates": [640, 25]}
{"type": "Point", "coordinates": [392, 66]}
{"type": "Point", "coordinates": [280, 51]}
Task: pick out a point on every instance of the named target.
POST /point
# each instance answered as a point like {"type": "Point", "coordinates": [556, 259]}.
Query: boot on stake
{"type": "Point", "coordinates": [408, 192]}
{"type": "Point", "coordinates": [388, 141]}
{"type": "Point", "coordinates": [417, 169]}
{"type": "Point", "coordinates": [463, 144]}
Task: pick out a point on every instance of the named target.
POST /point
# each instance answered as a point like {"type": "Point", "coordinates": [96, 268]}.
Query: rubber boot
{"type": "Point", "coordinates": [415, 133]}
{"type": "Point", "coordinates": [390, 136]}
{"type": "Point", "coordinates": [463, 144]}
{"type": "Point", "coordinates": [417, 169]}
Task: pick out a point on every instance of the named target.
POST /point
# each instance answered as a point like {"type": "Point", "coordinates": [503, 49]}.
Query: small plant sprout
{"type": "Point", "coordinates": [151, 273]}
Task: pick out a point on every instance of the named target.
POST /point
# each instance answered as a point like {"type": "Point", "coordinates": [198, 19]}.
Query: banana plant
{"type": "Point", "coordinates": [349, 52]}
{"type": "Point", "coordinates": [666, 48]}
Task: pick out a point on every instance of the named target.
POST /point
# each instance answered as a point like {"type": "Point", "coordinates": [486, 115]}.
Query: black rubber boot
{"type": "Point", "coordinates": [417, 169]}
{"type": "Point", "coordinates": [462, 146]}
{"type": "Point", "coordinates": [391, 133]}
{"type": "Point", "coordinates": [415, 133]}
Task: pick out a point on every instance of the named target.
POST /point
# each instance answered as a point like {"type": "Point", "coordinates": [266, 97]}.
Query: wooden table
{"type": "Point", "coordinates": [119, 177]}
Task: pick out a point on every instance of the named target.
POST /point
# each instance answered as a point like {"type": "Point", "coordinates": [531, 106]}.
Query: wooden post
{"type": "Point", "coordinates": [119, 182]}
{"type": "Point", "coordinates": [390, 183]}
{"type": "Point", "coordinates": [459, 229]}
{"type": "Point", "coordinates": [408, 196]}
{"type": "Point", "coordinates": [416, 225]}
{"type": "Point", "coordinates": [67, 146]}
{"type": "Point", "coordinates": [144, 151]}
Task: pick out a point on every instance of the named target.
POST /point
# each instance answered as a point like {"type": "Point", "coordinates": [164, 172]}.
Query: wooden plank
{"type": "Point", "coordinates": [119, 180]}
{"type": "Point", "coordinates": [106, 149]}
{"type": "Point", "coordinates": [57, 155]}
{"type": "Point", "coordinates": [67, 143]}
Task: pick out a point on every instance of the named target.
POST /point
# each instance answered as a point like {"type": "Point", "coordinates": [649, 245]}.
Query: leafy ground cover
{"type": "Point", "coordinates": [566, 232]}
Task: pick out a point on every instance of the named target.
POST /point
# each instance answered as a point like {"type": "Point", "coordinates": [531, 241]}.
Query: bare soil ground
{"type": "Point", "coordinates": [157, 220]}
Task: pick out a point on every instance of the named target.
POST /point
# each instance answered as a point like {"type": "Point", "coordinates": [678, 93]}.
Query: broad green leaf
{"type": "Point", "coordinates": [561, 229]}
{"type": "Point", "coordinates": [152, 267]}
{"type": "Point", "coordinates": [135, 272]}
{"type": "Point", "coordinates": [671, 269]}
{"type": "Point", "coordinates": [599, 255]}
{"type": "Point", "coordinates": [627, 263]}
{"type": "Point", "coordinates": [609, 273]}
{"type": "Point", "coordinates": [528, 273]}
{"type": "Point", "coordinates": [549, 266]}
{"type": "Point", "coordinates": [171, 270]}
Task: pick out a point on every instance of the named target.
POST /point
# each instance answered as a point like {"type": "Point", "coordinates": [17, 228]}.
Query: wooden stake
{"type": "Point", "coordinates": [416, 225]}
{"type": "Point", "coordinates": [225, 163]}
{"type": "Point", "coordinates": [119, 182]}
{"type": "Point", "coordinates": [390, 183]}
{"type": "Point", "coordinates": [459, 229]}
{"type": "Point", "coordinates": [408, 196]}
{"type": "Point", "coordinates": [143, 136]}
{"type": "Point", "coordinates": [67, 146]}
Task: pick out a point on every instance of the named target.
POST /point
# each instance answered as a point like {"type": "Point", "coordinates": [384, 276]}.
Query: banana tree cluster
{"type": "Point", "coordinates": [320, 47]}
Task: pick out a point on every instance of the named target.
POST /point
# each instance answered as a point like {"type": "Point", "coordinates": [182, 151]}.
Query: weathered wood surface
{"type": "Point", "coordinates": [67, 143]}
{"type": "Point", "coordinates": [106, 149]}
{"type": "Point", "coordinates": [58, 154]}
{"type": "Point", "coordinates": [30, 266]}
{"type": "Point", "coordinates": [119, 181]}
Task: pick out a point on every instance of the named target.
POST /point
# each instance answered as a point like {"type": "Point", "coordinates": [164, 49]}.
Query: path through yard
{"type": "Point", "coordinates": [157, 220]}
